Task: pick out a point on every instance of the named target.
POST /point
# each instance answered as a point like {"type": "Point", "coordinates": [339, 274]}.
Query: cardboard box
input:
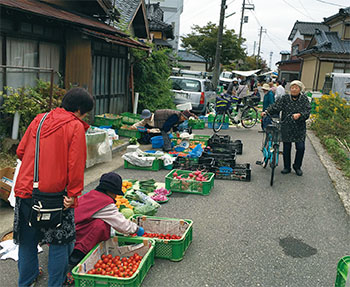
{"type": "Point", "coordinates": [6, 181]}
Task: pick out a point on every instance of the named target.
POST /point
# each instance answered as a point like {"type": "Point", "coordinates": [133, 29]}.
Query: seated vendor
{"type": "Point", "coordinates": [147, 122]}
{"type": "Point", "coordinates": [96, 214]}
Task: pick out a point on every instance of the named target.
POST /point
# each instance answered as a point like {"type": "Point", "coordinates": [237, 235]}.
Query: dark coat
{"type": "Point", "coordinates": [292, 131]}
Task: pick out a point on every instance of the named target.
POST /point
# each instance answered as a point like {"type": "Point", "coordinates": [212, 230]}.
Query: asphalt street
{"type": "Point", "coordinates": [248, 233]}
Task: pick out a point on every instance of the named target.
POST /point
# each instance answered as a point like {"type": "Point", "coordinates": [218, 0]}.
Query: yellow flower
{"type": "Point", "coordinates": [317, 109]}
{"type": "Point", "coordinates": [335, 110]}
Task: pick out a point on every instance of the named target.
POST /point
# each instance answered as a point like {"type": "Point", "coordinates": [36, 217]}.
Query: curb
{"type": "Point", "coordinates": [340, 182]}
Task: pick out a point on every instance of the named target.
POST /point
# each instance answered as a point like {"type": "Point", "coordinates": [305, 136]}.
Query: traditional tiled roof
{"type": "Point", "coordinates": [127, 10]}
{"type": "Point", "coordinates": [342, 12]}
{"type": "Point", "coordinates": [327, 42]}
{"type": "Point", "coordinates": [190, 57]}
{"type": "Point", "coordinates": [306, 28]}
{"type": "Point", "coordinates": [155, 16]}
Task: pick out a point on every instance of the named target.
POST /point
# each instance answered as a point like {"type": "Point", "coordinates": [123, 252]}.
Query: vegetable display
{"type": "Point", "coordinates": [123, 267]}
{"type": "Point", "coordinates": [122, 202]}
{"type": "Point", "coordinates": [126, 185]}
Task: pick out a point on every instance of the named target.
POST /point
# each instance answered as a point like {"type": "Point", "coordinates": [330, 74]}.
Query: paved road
{"type": "Point", "coordinates": [248, 233]}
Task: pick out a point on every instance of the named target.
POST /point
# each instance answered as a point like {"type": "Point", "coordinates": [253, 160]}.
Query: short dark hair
{"type": "Point", "coordinates": [78, 99]}
{"type": "Point", "coordinates": [279, 82]}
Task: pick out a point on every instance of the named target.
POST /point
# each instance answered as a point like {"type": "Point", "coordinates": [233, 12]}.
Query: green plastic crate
{"type": "Point", "coordinates": [82, 279]}
{"type": "Point", "coordinates": [173, 250]}
{"type": "Point", "coordinates": [211, 118]}
{"type": "Point", "coordinates": [129, 133]}
{"type": "Point", "coordinates": [343, 272]}
{"type": "Point", "coordinates": [196, 124]}
{"type": "Point", "coordinates": [108, 120]}
{"type": "Point", "coordinates": [156, 165]}
{"type": "Point", "coordinates": [189, 186]}
{"type": "Point", "coordinates": [130, 118]}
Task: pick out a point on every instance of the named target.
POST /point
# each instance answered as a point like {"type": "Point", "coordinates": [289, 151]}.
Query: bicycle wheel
{"type": "Point", "coordinates": [249, 117]}
{"type": "Point", "coordinates": [273, 162]}
{"type": "Point", "coordinates": [266, 151]}
{"type": "Point", "coordinates": [218, 121]}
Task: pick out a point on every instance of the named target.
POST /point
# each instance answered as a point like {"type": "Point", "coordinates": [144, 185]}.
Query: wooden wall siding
{"type": "Point", "coordinates": [78, 61]}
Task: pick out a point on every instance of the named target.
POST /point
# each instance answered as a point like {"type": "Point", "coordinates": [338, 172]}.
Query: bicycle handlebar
{"type": "Point", "coordinates": [281, 121]}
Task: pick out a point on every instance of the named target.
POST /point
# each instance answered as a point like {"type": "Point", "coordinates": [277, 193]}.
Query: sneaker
{"type": "Point", "coordinates": [298, 171]}
{"type": "Point", "coordinates": [285, 170]}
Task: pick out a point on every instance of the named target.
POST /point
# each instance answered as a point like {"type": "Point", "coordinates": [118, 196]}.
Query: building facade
{"type": "Point", "coordinates": [172, 12]}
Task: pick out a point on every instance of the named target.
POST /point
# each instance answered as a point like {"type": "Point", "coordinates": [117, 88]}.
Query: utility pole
{"type": "Point", "coordinates": [259, 46]}
{"type": "Point", "coordinates": [271, 53]}
{"type": "Point", "coordinates": [244, 7]}
{"type": "Point", "coordinates": [254, 48]}
{"type": "Point", "coordinates": [219, 44]}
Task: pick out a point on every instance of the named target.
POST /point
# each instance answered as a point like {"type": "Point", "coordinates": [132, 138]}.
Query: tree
{"type": "Point", "coordinates": [202, 41]}
{"type": "Point", "coordinates": [151, 79]}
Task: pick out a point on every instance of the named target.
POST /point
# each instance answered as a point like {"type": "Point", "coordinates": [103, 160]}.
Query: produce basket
{"type": "Point", "coordinates": [189, 185]}
{"type": "Point", "coordinates": [130, 118]}
{"type": "Point", "coordinates": [241, 172]}
{"type": "Point", "coordinates": [173, 249]}
{"type": "Point", "coordinates": [203, 138]}
{"type": "Point", "coordinates": [156, 165]}
{"type": "Point", "coordinates": [236, 146]}
{"type": "Point", "coordinates": [129, 133]}
{"type": "Point", "coordinates": [196, 124]}
{"type": "Point", "coordinates": [108, 120]}
{"type": "Point", "coordinates": [217, 139]}
{"type": "Point", "coordinates": [116, 246]}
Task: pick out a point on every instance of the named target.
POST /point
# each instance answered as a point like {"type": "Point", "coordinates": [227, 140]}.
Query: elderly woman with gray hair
{"type": "Point", "coordinates": [295, 110]}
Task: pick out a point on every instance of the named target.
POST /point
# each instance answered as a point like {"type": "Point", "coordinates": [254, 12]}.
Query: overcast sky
{"type": "Point", "coordinates": [276, 16]}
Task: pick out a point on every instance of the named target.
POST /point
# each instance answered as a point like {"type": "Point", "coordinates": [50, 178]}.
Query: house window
{"type": "Point", "coordinates": [341, 68]}
{"type": "Point", "coordinates": [21, 53]}
{"type": "Point", "coordinates": [295, 50]}
{"type": "Point", "coordinates": [109, 84]}
{"type": "Point", "coordinates": [28, 53]}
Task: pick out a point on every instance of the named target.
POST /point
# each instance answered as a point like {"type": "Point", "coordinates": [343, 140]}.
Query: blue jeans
{"type": "Point", "coordinates": [28, 263]}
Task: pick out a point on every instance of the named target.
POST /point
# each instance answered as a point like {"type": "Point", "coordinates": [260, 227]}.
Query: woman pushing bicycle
{"type": "Point", "coordinates": [293, 129]}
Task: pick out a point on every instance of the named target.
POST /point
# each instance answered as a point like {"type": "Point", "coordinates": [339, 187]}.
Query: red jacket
{"type": "Point", "coordinates": [62, 155]}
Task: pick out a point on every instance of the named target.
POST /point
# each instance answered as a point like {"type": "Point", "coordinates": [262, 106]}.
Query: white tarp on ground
{"type": "Point", "coordinates": [246, 73]}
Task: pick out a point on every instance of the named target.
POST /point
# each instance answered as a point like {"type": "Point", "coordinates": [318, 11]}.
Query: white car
{"type": "Point", "coordinates": [199, 92]}
{"type": "Point", "coordinates": [225, 79]}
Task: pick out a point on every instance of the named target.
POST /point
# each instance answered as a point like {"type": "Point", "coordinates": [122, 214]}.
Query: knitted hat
{"type": "Point", "coordinates": [111, 182]}
{"type": "Point", "coordinates": [299, 84]}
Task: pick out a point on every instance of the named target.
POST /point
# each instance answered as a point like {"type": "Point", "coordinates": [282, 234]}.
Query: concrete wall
{"type": "Point", "coordinates": [78, 61]}
{"type": "Point", "coordinates": [193, 66]}
{"type": "Point", "coordinates": [308, 72]}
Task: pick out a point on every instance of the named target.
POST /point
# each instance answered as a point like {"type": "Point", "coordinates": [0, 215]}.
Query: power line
{"type": "Point", "coordinates": [306, 10]}
{"type": "Point", "coordinates": [329, 3]}
{"type": "Point", "coordinates": [294, 8]}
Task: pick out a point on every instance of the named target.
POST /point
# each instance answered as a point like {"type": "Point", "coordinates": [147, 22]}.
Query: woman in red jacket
{"type": "Point", "coordinates": [61, 167]}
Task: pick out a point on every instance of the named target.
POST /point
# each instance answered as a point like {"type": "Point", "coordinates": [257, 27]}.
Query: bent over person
{"type": "Point", "coordinates": [97, 213]}
{"type": "Point", "coordinates": [61, 169]}
{"type": "Point", "coordinates": [295, 110]}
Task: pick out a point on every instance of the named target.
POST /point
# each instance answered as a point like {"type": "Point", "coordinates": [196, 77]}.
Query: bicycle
{"type": "Point", "coordinates": [247, 114]}
{"type": "Point", "coordinates": [271, 145]}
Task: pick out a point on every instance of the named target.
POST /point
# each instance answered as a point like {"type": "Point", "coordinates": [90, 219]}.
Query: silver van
{"type": "Point", "coordinates": [199, 92]}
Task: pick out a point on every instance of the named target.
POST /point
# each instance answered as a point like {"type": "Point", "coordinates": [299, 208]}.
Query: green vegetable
{"type": "Point", "coordinates": [127, 212]}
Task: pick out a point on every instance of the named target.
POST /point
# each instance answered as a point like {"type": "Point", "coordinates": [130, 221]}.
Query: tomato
{"type": "Point", "coordinates": [124, 259]}
{"type": "Point", "coordinates": [103, 256]}
{"type": "Point", "coordinates": [131, 273]}
{"type": "Point", "coordinates": [103, 266]}
{"type": "Point", "coordinates": [98, 270]}
{"type": "Point", "coordinates": [100, 261]}
{"type": "Point", "coordinates": [103, 272]}
{"type": "Point", "coordinates": [134, 269]}
{"type": "Point", "coordinates": [121, 269]}
{"type": "Point", "coordinates": [108, 269]}
{"type": "Point", "coordinates": [109, 256]}
{"type": "Point", "coordinates": [90, 272]}
{"type": "Point", "coordinates": [112, 265]}
{"type": "Point", "coordinates": [97, 265]}
{"type": "Point", "coordinates": [105, 260]}
{"type": "Point", "coordinates": [117, 258]}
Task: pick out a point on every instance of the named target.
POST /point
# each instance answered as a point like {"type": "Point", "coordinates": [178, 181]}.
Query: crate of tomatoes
{"type": "Point", "coordinates": [172, 236]}
{"type": "Point", "coordinates": [119, 261]}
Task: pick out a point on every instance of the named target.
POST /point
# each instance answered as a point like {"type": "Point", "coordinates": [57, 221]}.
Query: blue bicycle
{"type": "Point", "coordinates": [271, 145]}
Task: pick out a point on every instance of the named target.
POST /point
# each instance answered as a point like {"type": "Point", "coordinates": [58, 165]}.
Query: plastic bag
{"type": "Point", "coordinates": [197, 151]}
{"type": "Point", "coordinates": [144, 209]}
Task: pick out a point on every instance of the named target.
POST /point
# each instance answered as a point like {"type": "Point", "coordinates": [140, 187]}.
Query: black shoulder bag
{"type": "Point", "coordinates": [47, 208]}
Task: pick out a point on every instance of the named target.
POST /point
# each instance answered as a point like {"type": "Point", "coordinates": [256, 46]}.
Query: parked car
{"type": "Point", "coordinates": [225, 79]}
{"type": "Point", "coordinates": [199, 92]}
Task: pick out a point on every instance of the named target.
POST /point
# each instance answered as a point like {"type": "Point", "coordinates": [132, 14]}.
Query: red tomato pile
{"type": "Point", "coordinates": [123, 267]}
{"type": "Point", "coordinates": [160, 236]}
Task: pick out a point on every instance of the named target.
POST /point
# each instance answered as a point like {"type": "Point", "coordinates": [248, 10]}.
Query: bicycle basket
{"type": "Point", "coordinates": [222, 104]}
